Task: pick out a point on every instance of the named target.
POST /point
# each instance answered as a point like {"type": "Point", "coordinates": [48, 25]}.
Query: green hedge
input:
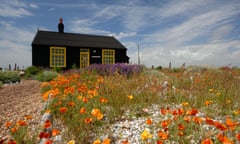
{"type": "Point", "coordinates": [9, 77]}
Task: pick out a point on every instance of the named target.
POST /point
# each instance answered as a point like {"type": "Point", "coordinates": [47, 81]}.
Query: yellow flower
{"type": "Point", "coordinates": [210, 90]}
{"type": "Point", "coordinates": [185, 104]}
{"type": "Point", "coordinates": [97, 141]}
{"type": "Point", "coordinates": [218, 93]}
{"type": "Point", "coordinates": [71, 142]}
{"type": "Point", "coordinates": [146, 135]}
{"type": "Point", "coordinates": [130, 97]}
{"type": "Point", "coordinates": [228, 101]}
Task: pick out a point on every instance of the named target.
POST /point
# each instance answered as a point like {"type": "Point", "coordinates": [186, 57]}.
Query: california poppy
{"type": "Point", "coordinates": [162, 135]}
{"type": "Point", "coordinates": [231, 124]}
{"type": "Point", "coordinates": [149, 121]}
{"type": "Point", "coordinates": [207, 141]}
{"type": "Point", "coordinates": [82, 110]}
{"type": "Point", "coordinates": [21, 123]}
{"type": "Point", "coordinates": [71, 104]}
{"type": "Point", "coordinates": [88, 120]}
{"type": "Point", "coordinates": [106, 141]}
{"type": "Point", "coordinates": [55, 132]}
{"type": "Point", "coordinates": [63, 109]}
{"type": "Point", "coordinates": [47, 124]}
{"type": "Point", "coordinates": [238, 136]}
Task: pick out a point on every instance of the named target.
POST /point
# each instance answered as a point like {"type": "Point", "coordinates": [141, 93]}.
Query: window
{"type": "Point", "coordinates": [57, 57]}
{"type": "Point", "coordinates": [108, 56]}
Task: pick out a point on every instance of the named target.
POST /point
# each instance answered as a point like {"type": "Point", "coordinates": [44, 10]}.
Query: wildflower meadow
{"type": "Point", "coordinates": [185, 105]}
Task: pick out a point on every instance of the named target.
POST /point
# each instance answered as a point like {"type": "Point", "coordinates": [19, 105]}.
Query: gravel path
{"type": "Point", "coordinates": [19, 100]}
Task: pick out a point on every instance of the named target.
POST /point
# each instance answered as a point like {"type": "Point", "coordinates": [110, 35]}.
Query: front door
{"type": "Point", "coordinates": [84, 58]}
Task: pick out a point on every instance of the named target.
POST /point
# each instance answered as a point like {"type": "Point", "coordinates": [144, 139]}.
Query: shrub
{"type": "Point", "coordinates": [9, 77]}
{"type": "Point", "coordinates": [32, 70]}
{"type": "Point", "coordinates": [47, 76]}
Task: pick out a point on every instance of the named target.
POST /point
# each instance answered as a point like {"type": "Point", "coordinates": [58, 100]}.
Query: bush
{"type": "Point", "coordinates": [47, 76]}
{"type": "Point", "coordinates": [32, 70]}
{"type": "Point", "coordinates": [9, 77]}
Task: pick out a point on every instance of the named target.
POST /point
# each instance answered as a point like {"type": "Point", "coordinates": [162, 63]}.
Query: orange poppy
{"type": "Point", "coordinates": [162, 135]}
{"type": "Point", "coordinates": [8, 124]}
{"type": "Point", "coordinates": [88, 120]}
{"type": "Point", "coordinates": [12, 142]}
{"type": "Point", "coordinates": [21, 123]}
{"type": "Point", "coordinates": [103, 100]}
{"type": "Point", "coordinates": [44, 135]}
{"type": "Point", "coordinates": [47, 124]}
{"type": "Point", "coordinates": [165, 123]}
{"type": "Point", "coordinates": [149, 121]}
{"type": "Point", "coordinates": [159, 142]}
{"type": "Point", "coordinates": [207, 103]}
{"type": "Point", "coordinates": [181, 127]}
{"type": "Point", "coordinates": [180, 111]}
{"type": "Point", "coordinates": [209, 121]}
{"type": "Point", "coordinates": [224, 139]}
{"type": "Point", "coordinates": [106, 141]}
{"type": "Point", "coordinates": [55, 132]}
{"type": "Point", "coordinates": [71, 104]}
{"type": "Point", "coordinates": [238, 136]}
{"type": "Point", "coordinates": [207, 141]}
{"type": "Point", "coordinates": [187, 118]}
{"type": "Point", "coordinates": [28, 117]}
{"type": "Point", "coordinates": [49, 142]}
{"type": "Point", "coordinates": [220, 126]}
{"type": "Point", "coordinates": [14, 129]}
{"type": "Point", "coordinates": [197, 120]}
{"type": "Point", "coordinates": [82, 110]}
{"type": "Point", "coordinates": [230, 123]}
{"type": "Point", "coordinates": [85, 99]}
{"type": "Point", "coordinates": [125, 142]}
{"type": "Point", "coordinates": [192, 112]}
{"type": "Point", "coordinates": [63, 109]}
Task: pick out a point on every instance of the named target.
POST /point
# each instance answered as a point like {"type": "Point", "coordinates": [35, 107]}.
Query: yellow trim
{"type": "Point", "coordinates": [108, 56]}
{"type": "Point", "coordinates": [57, 56]}
{"type": "Point", "coordinates": [88, 58]}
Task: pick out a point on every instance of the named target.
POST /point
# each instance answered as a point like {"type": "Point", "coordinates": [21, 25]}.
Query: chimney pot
{"type": "Point", "coordinates": [61, 25]}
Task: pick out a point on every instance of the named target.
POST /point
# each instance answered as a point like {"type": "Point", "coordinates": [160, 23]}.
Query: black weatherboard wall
{"type": "Point", "coordinates": [73, 43]}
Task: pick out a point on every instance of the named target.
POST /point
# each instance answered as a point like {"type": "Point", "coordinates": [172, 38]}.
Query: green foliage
{"type": "Point", "coordinates": [159, 68]}
{"type": "Point", "coordinates": [57, 69]}
{"type": "Point", "coordinates": [9, 77]}
{"type": "Point", "coordinates": [1, 84]}
{"type": "Point", "coordinates": [74, 66]}
{"type": "Point", "coordinates": [47, 76]}
{"type": "Point", "coordinates": [31, 71]}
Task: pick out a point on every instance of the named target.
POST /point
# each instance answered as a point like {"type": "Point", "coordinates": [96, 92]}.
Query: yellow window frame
{"type": "Point", "coordinates": [57, 56]}
{"type": "Point", "coordinates": [108, 56]}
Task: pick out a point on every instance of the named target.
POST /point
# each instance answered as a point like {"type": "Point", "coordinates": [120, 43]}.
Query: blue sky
{"type": "Point", "coordinates": [195, 32]}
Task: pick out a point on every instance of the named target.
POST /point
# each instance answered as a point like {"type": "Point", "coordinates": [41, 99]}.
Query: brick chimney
{"type": "Point", "coordinates": [60, 26]}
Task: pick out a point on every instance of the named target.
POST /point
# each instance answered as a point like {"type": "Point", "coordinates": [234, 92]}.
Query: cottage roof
{"type": "Point", "coordinates": [76, 40]}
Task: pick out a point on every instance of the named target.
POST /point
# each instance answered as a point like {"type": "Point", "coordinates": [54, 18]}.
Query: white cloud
{"type": "Point", "coordinates": [122, 35]}
{"type": "Point", "coordinates": [14, 8]}
{"type": "Point", "coordinates": [17, 48]}
{"type": "Point", "coordinates": [33, 5]}
{"type": "Point", "coordinates": [220, 32]}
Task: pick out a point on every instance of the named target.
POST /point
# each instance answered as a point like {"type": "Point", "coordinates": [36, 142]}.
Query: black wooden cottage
{"type": "Point", "coordinates": [59, 49]}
